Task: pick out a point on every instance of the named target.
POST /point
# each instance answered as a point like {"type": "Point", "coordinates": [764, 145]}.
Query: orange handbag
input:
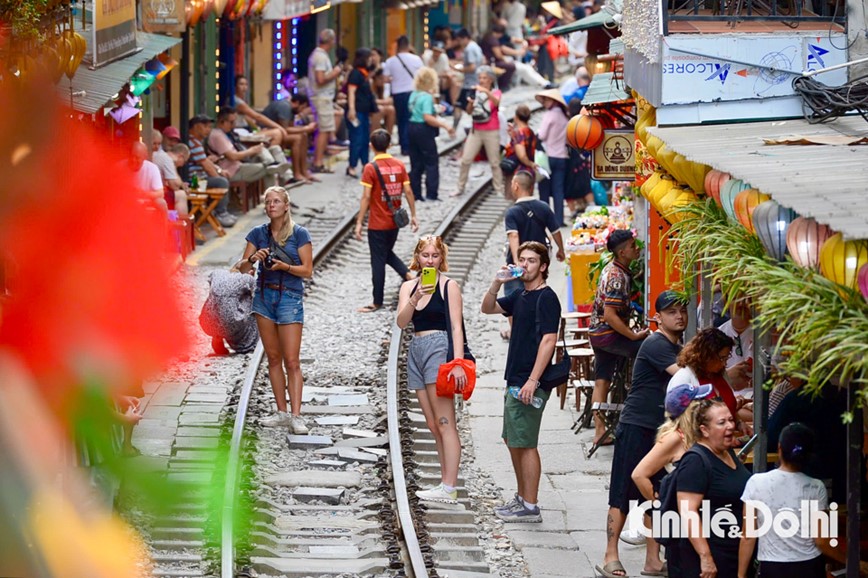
{"type": "Point", "coordinates": [446, 386]}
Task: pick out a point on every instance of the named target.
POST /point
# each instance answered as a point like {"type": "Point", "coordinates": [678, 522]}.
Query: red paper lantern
{"type": "Point", "coordinates": [745, 202]}
{"type": "Point", "coordinates": [805, 238]}
{"type": "Point", "coordinates": [714, 180]}
{"type": "Point", "coordinates": [584, 132]}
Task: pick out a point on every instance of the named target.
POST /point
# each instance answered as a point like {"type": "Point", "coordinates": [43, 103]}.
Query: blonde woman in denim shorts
{"type": "Point", "coordinates": [425, 306]}
{"type": "Point", "coordinates": [285, 255]}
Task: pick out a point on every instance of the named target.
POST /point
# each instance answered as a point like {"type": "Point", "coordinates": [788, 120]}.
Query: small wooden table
{"type": "Point", "coordinates": [202, 207]}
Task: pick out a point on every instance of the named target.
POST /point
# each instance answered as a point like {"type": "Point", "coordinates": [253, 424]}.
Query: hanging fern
{"type": "Point", "coordinates": [821, 327]}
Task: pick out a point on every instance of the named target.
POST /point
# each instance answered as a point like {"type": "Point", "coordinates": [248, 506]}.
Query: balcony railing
{"type": "Point", "coordinates": [777, 13]}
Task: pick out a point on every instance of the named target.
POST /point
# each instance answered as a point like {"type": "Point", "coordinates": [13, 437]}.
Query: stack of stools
{"type": "Point", "coordinates": [574, 340]}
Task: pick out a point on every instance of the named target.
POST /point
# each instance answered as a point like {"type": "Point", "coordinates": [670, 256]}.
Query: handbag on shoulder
{"type": "Point", "coordinates": [399, 214]}
{"type": "Point", "coordinates": [445, 387]}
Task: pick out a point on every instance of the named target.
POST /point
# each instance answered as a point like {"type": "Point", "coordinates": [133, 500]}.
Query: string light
{"type": "Point", "coordinates": [277, 44]}
{"type": "Point", "coordinates": [294, 52]}
{"type": "Point", "coordinates": [425, 30]}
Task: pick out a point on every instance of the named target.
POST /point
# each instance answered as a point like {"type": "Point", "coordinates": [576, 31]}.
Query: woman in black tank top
{"type": "Point", "coordinates": [427, 307]}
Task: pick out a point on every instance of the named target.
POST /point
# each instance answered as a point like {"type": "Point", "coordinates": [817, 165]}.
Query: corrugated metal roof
{"type": "Point", "coordinates": [100, 85]}
{"type": "Point", "coordinates": [601, 18]}
{"type": "Point", "coordinates": [603, 89]}
{"type": "Point", "coordinates": [827, 182]}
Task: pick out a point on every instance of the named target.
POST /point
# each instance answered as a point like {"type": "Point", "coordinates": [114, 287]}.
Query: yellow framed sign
{"type": "Point", "coordinates": [614, 159]}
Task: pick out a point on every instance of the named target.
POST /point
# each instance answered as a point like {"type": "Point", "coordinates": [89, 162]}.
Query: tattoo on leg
{"type": "Point", "coordinates": [610, 531]}
{"type": "Point", "coordinates": [444, 421]}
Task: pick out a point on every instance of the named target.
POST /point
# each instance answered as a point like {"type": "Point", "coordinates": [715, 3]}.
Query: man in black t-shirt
{"type": "Point", "coordinates": [642, 415]}
{"type": "Point", "coordinates": [536, 314]}
{"type": "Point", "coordinates": [527, 220]}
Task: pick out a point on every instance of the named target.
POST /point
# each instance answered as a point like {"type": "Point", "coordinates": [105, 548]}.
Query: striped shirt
{"type": "Point", "coordinates": [197, 156]}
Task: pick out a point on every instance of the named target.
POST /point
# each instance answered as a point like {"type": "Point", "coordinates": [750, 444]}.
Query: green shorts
{"type": "Point", "coordinates": [521, 422]}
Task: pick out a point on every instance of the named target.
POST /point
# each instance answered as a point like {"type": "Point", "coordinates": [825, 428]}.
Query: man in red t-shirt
{"type": "Point", "coordinates": [382, 232]}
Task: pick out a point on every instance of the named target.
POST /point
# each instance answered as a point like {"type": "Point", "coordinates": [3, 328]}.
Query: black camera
{"type": "Point", "coordinates": [268, 261]}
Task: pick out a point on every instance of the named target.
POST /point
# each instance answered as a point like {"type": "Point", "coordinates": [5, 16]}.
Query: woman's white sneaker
{"type": "Point", "coordinates": [279, 419]}
{"type": "Point", "coordinates": [297, 425]}
{"type": "Point", "coordinates": [438, 494]}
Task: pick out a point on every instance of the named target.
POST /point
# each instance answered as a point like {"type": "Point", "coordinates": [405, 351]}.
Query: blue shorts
{"type": "Point", "coordinates": [283, 308]}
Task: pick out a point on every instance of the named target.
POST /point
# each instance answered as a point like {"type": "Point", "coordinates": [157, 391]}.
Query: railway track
{"type": "Point", "coordinates": [347, 505]}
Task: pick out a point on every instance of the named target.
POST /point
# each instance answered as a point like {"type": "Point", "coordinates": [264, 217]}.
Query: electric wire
{"type": "Point", "coordinates": [821, 103]}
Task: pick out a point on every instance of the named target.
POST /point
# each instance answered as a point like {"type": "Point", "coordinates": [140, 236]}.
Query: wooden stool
{"type": "Point", "coordinates": [584, 383]}
{"type": "Point", "coordinates": [197, 202]}
{"type": "Point", "coordinates": [183, 227]}
{"type": "Point", "coordinates": [247, 193]}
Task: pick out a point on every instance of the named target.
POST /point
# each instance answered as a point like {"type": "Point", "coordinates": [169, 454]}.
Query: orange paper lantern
{"type": "Point", "coordinates": [584, 132]}
{"type": "Point", "coordinates": [714, 180]}
{"type": "Point", "coordinates": [745, 202]}
{"type": "Point", "coordinates": [805, 237]}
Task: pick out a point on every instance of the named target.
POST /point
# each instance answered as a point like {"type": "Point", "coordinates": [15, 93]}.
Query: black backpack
{"type": "Point", "coordinates": [668, 495]}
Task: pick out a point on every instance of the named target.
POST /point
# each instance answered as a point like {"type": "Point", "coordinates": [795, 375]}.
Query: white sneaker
{"type": "Point", "coordinates": [297, 425]}
{"type": "Point", "coordinates": [632, 537]}
{"type": "Point", "coordinates": [438, 494]}
{"type": "Point", "coordinates": [280, 419]}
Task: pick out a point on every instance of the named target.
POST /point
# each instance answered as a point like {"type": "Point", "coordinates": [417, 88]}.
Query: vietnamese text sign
{"type": "Point", "coordinates": [163, 15]}
{"type": "Point", "coordinates": [114, 29]}
{"type": "Point", "coordinates": [613, 160]}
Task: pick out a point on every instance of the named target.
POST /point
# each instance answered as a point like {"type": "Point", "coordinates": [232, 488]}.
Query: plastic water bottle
{"type": "Point", "coordinates": [512, 272]}
{"type": "Point", "coordinates": [534, 401]}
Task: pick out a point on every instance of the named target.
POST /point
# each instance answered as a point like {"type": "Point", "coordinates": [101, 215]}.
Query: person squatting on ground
{"type": "Point", "coordinates": [674, 438]}
{"type": "Point", "coordinates": [536, 314]}
{"type": "Point", "coordinates": [427, 307]}
{"type": "Point", "coordinates": [641, 416]}
{"type": "Point", "coordinates": [384, 180]}
{"type": "Point", "coordinates": [610, 333]}
{"type": "Point", "coordinates": [486, 130]}
{"type": "Point", "coordinates": [226, 314]}
{"type": "Point", "coordinates": [423, 130]}
{"type": "Point", "coordinates": [285, 254]}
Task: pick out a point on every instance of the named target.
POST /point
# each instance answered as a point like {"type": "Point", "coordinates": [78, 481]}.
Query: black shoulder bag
{"type": "Point", "coordinates": [557, 373]}
{"type": "Point", "coordinates": [450, 351]}
{"type": "Point", "coordinates": [399, 213]}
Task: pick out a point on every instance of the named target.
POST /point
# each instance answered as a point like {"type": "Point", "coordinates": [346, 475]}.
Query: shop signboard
{"type": "Point", "coordinates": [613, 159]}
{"type": "Point", "coordinates": [319, 5]}
{"type": "Point", "coordinates": [163, 16]}
{"type": "Point", "coordinates": [114, 30]}
{"type": "Point", "coordinates": [723, 68]}
{"type": "Point", "coordinates": [286, 9]}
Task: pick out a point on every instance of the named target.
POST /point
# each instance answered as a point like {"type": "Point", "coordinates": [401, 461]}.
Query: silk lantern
{"type": "Point", "coordinates": [863, 281]}
{"type": "Point", "coordinates": [805, 237]}
{"type": "Point", "coordinates": [744, 205]}
{"type": "Point", "coordinates": [728, 193]}
{"type": "Point", "coordinates": [584, 132]}
{"type": "Point", "coordinates": [770, 222]}
{"type": "Point", "coordinates": [714, 180]}
{"type": "Point", "coordinates": [841, 260]}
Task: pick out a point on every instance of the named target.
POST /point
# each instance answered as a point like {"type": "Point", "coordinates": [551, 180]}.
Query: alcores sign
{"type": "Point", "coordinates": [114, 29]}
{"type": "Point", "coordinates": [613, 159]}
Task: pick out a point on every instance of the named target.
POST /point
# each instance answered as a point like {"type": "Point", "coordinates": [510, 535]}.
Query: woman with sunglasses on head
{"type": "Point", "coordinates": [710, 476]}
{"type": "Point", "coordinates": [427, 307]}
{"type": "Point", "coordinates": [703, 360]}
{"type": "Point", "coordinates": [284, 252]}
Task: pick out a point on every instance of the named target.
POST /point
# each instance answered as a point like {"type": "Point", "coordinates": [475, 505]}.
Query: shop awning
{"type": "Point", "coordinates": [603, 89]}
{"type": "Point", "coordinates": [827, 182]}
{"type": "Point", "coordinates": [92, 89]}
{"type": "Point", "coordinates": [601, 18]}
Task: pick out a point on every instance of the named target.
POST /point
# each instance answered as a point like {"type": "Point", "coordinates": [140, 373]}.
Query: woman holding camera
{"type": "Point", "coordinates": [427, 301]}
{"type": "Point", "coordinates": [285, 255]}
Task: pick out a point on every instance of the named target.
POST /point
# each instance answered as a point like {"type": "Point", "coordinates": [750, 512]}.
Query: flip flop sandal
{"type": "Point", "coordinates": [369, 308]}
{"type": "Point", "coordinates": [608, 571]}
{"type": "Point", "coordinates": [322, 169]}
{"type": "Point", "coordinates": [663, 571]}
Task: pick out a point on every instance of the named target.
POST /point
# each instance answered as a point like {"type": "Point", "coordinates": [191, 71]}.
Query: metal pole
{"type": "Point", "coordinates": [707, 300]}
{"type": "Point", "coordinates": [692, 305]}
{"type": "Point", "coordinates": [854, 481]}
{"type": "Point", "coordinates": [761, 340]}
